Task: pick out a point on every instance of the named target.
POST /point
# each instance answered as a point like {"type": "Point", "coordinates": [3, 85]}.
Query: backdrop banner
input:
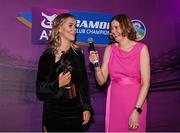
{"type": "Point", "coordinates": [89, 24]}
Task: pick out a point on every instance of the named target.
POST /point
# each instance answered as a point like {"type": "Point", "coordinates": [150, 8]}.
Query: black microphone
{"type": "Point", "coordinates": [92, 48]}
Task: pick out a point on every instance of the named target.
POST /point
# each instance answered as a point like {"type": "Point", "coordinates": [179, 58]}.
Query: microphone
{"type": "Point", "coordinates": [92, 48]}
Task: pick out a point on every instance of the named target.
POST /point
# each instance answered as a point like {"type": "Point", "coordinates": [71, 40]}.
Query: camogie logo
{"type": "Point", "coordinates": [140, 29]}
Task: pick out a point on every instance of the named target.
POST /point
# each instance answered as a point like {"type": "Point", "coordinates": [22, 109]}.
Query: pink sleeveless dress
{"type": "Point", "coordinates": [124, 88]}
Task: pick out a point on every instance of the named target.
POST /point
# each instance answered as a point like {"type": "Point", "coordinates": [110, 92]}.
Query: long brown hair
{"type": "Point", "coordinates": [126, 26]}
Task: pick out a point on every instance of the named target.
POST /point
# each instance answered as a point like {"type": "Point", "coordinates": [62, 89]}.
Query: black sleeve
{"type": "Point", "coordinates": [44, 85]}
{"type": "Point", "coordinates": [84, 87]}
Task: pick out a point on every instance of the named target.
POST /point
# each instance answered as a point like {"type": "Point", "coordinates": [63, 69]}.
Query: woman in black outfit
{"type": "Point", "coordinates": [62, 82]}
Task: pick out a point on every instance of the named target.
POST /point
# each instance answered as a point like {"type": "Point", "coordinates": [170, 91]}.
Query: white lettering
{"type": "Point", "coordinates": [44, 35]}
{"type": "Point", "coordinates": [104, 25]}
{"type": "Point", "coordinates": [84, 24]}
{"type": "Point", "coordinates": [92, 24]}
{"type": "Point", "coordinates": [80, 31]}
{"type": "Point", "coordinates": [78, 23]}
{"type": "Point", "coordinates": [47, 21]}
{"type": "Point", "coordinates": [98, 32]}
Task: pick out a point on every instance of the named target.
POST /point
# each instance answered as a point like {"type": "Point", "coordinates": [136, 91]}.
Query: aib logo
{"type": "Point", "coordinates": [140, 29]}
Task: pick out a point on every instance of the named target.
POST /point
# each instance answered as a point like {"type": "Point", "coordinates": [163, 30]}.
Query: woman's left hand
{"type": "Point", "coordinates": [86, 117]}
{"type": "Point", "coordinates": [134, 120]}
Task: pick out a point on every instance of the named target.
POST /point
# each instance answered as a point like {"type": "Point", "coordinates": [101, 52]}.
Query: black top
{"type": "Point", "coordinates": [47, 85]}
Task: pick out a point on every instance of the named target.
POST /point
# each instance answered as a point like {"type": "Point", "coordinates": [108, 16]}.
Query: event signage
{"type": "Point", "coordinates": [89, 24]}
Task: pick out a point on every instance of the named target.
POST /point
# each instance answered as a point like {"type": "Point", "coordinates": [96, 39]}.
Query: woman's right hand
{"type": "Point", "coordinates": [64, 79]}
{"type": "Point", "coordinates": [93, 55]}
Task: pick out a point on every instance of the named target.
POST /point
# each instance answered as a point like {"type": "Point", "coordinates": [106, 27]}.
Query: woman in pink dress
{"type": "Point", "coordinates": [128, 64]}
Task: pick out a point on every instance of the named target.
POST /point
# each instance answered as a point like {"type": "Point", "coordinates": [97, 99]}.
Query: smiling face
{"type": "Point", "coordinates": [121, 27]}
{"type": "Point", "coordinates": [67, 30]}
{"type": "Point", "coordinates": [116, 31]}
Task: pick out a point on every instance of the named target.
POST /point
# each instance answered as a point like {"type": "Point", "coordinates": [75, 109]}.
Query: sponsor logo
{"type": "Point", "coordinates": [140, 29]}
{"type": "Point", "coordinates": [89, 24]}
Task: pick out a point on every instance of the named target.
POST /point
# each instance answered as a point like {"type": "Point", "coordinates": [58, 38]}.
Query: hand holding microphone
{"type": "Point", "coordinates": [93, 56]}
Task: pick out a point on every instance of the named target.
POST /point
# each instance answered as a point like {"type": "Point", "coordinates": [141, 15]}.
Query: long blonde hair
{"type": "Point", "coordinates": [54, 39]}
